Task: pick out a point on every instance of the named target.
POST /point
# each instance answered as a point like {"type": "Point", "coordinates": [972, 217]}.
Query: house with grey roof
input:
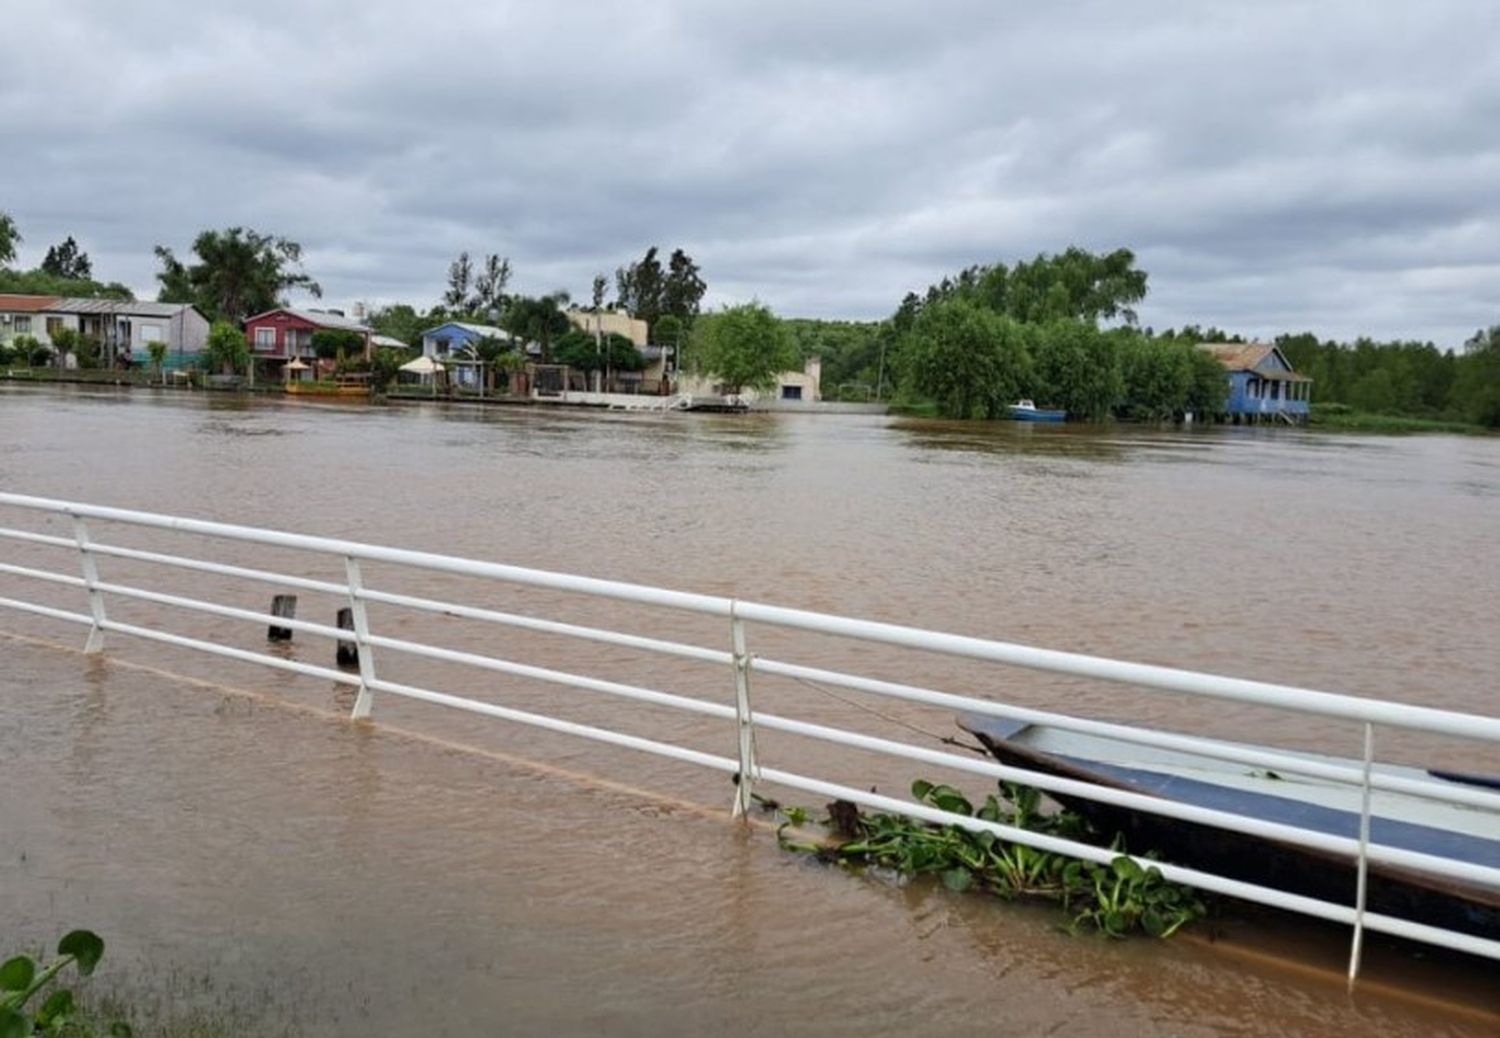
{"type": "Point", "coordinates": [124, 329]}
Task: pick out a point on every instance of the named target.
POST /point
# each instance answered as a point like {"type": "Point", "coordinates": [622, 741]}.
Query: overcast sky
{"type": "Point", "coordinates": [1275, 165]}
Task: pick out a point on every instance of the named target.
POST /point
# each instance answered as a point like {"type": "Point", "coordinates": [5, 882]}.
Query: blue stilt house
{"type": "Point", "coordinates": [1263, 387]}
{"type": "Point", "coordinates": [454, 345]}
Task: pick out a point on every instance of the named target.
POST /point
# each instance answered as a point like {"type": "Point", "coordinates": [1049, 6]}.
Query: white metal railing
{"type": "Point", "coordinates": [745, 720]}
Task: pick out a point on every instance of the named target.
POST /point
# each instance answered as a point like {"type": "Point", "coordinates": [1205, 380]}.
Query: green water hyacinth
{"type": "Point", "coordinates": [1115, 900]}
{"type": "Point", "coordinates": [22, 978]}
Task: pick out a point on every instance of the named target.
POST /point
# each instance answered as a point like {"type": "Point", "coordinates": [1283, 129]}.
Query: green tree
{"type": "Point", "coordinates": [64, 342]}
{"type": "Point", "coordinates": [1476, 387]}
{"type": "Point", "coordinates": [337, 343]}
{"type": "Point", "coordinates": [682, 290]}
{"type": "Point", "coordinates": [385, 362]}
{"type": "Point", "coordinates": [1158, 377]}
{"type": "Point", "coordinates": [970, 360]}
{"type": "Point", "coordinates": [538, 319]}
{"type": "Point", "coordinates": [578, 350]}
{"type": "Point", "coordinates": [226, 351]}
{"type": "Point", "coordinates": [459, 295]}
{"type": "Point", "coordinates": [158, 352]}
{"type": "Point", "coordinates": [853, 354]}
{"type": "Point", "coordinates": [1210, 393]}
{"type": "Point", "coordinates": [1077, 368]}
{"type": "Point", "coordinates": [10, 239]}
{"type": "Point", "coordinates": [38, 282]}
{"type": "Point", "coordinates": [1075, 284]}
{"type": "Point", "coordinates": [37, 355]}
{"type": "Point", "coordinates": [489, 285]}
{"type": "Point", "coordinates": [25, 349]}
{"type": "Point", "coordinates": [64, 260]}
{"type": "Point", "coordinates": [744, 346]}
{"type": "Point", "coordinates": [403, 321]}
{"type": "Point", "coordinates": [238, 273]}
{"type": "Point", "coordinates": [668, 331]}
{"type": "Point", "coordinates": [1375, 392]}
{"type": "Point", "coordinates": [640, 288]}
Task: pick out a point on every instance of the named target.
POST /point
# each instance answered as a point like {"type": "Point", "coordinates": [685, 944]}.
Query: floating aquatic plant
{"type": "Point", "coordinates": [22, 978]}
{"type": "Point", "coordinates": [1114, 899]}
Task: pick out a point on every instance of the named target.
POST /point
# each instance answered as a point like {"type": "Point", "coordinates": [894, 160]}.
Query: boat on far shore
{"type": "Point", "coordinates": [1026, 411]}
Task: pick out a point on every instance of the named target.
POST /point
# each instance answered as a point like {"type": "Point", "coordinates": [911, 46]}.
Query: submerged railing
{"type": "Point", "coordinates": [739, 716]}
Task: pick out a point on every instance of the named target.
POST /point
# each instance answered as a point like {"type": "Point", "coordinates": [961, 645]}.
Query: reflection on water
{"type": "Point", "coordinates": [259, 835]}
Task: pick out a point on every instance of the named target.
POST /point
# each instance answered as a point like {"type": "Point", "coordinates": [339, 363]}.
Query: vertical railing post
{"type": "Point", "coordinates": [95, 643]}
{"type": "Point", "coordinates": [365, 700]}
{"type": "Point", "coordinates": [744, 719]}
{"type": "Point", "coordinates": [1361, 883]}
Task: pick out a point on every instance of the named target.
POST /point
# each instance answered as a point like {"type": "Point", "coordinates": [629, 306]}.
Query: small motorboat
{"type": "Point", "coordinates": [1459, 832]}
{"type": "Point", "coordinates": [1026, 411]}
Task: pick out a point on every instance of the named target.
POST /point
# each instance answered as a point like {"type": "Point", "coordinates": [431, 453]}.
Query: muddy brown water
{"type": "Point", "coordinates": [247, 851]}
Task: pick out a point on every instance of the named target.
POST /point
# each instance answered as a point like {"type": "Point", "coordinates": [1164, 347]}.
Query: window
{"type": "Point", "coordinates": [150, 333]}
{"type": "Point", "coordinates": [265, 338]}
{"type": "Point", "coordinates": [54, 325]}
{"type": "Point", "coordinates": [791, 392]}
{"type": "Point", "coordinates": [22, 325]}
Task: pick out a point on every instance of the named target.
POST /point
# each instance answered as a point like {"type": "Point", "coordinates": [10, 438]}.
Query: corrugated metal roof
{"type": "Point", "coordinates": [388, 341]}
{"type": "Point", "coordinates": [321, 318]}
{"type": "Point", "coordinates": [482, 330]}
{"type": "Point", "coordinates": [19, 304]}
{"type": "Point", "coordinates": [118, 308]}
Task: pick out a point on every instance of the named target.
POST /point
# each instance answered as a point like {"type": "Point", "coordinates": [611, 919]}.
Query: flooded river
{"type": "Point", "coordinates": [248, 852]}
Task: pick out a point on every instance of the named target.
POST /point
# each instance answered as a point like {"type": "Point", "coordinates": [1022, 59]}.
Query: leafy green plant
{"type": "Point", "coordinates": [1125, 895]}
{"type": "Point", "coordinates": [1114, 900]}
{"type": "Point", "coordinates": [22, 978]}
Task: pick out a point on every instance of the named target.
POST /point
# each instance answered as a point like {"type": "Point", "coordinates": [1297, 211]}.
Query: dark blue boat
{"type": "Point", "coordinates": [1433, 827]}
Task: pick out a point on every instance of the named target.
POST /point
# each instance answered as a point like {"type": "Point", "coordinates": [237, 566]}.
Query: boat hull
{"type": "Point", "coordinates": [1403, 893]}
{"type": "Point", "coordinates": [1025, 414]}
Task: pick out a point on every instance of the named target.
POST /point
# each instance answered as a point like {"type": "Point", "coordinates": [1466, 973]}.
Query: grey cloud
{"type": "Point", "coordinates": [1278, 165]}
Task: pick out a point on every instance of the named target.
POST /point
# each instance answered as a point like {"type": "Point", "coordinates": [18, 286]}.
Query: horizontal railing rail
{"type": "Point", "coordinates": [1367, 712]}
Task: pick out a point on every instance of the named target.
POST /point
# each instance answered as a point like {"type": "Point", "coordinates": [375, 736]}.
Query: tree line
{"type": "Point", "coordinates": [66, 270]}
{"type": "Point", "coordinates": [1404, 378]}
{"type": "Point", "coordinates": [978, 340]}
{"type": "Point", "coordinates": [1060, 329]}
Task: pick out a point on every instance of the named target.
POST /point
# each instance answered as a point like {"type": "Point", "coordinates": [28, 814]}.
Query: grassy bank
{"type": "Point", "coordinates": [1343, 418]}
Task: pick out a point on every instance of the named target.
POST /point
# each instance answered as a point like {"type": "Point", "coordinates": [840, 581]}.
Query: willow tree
{"type": "Point", "coordinates": [968, 359]}
{"type": "Point", "coordinates": [744, 346]}
{"type": "Point", "coordinates": [1077, 368]}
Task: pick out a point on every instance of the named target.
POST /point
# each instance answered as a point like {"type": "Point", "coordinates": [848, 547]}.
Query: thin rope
{"type": "Point", "coordinates": [945, 739]}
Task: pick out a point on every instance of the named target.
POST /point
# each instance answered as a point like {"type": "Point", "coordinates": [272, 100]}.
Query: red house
{"type": "Point", "coordinates": [279, 336]}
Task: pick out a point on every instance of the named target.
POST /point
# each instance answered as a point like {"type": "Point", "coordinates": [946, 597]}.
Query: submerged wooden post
{"type": "Point", "coordinates": [347, 654]}
{"type": "Point", "coordinates": [284, 606]}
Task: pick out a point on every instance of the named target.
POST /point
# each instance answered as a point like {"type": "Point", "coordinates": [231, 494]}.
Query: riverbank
{"type": "Point", "coordinates": [1338, 418]}
{"type": "Point", "coordinates": [416, 395]}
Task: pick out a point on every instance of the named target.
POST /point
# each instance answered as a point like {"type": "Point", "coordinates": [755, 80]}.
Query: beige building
{"type": "Point", "coordinates": [610, 322]}
{"type": "Point", "coordinates": [803, 386]}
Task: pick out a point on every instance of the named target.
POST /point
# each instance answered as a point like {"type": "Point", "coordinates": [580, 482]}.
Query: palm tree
{"type": "Point", "coordinates": [539, 319]}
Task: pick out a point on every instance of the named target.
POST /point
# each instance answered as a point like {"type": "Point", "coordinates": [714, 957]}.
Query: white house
{"type": "Point", "coordinates": [124, 329]}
